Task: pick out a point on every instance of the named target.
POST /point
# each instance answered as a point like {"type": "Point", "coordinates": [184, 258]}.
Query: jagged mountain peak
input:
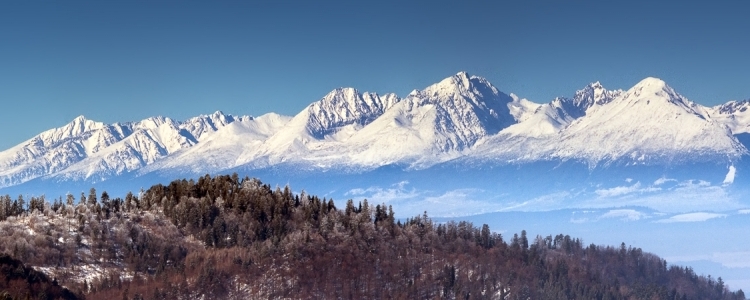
{"type": "Point", "coordinates": [460, 84]}
{"type": "Point", "coordinates": [653, 82]}
{"type": "Point", "coordinates": [218, 117]}
{"type": "Point", "coordinates": [652, 86]}
{"type": "Point", "coordinates": [75, 127]}
{"type": "Point", "coordinates": [202, 124]}
{"type": "Point", "coordinates": [458, 116]}
{"type": "Point", "coordinates": [649, 121]}
{"type": "Point", "coordinates": [348, 92]}
{"type": "Point", "coordinates": [654, 91]}
{"type": "Point", "coordinates": [221, 117]}
{"type": "Point", "coordinates": [79, 119]}
{"type": "Point", "coordinates": [550, 118]}
{"type": "Point", "coordinates": [341, 107]}
{"type": "Point", "coordinates": [734, 114]}
{"type": "Point", "coordinates": [593, 94]}
{"type": "Point", "coordinates": [593, 88]}
{"type": "Point", "coordinates": [733, 106]}
{"type": "Point", "coordinates": [152, 122]}
{"type": "Point", "coordinates": [341, 98]}
{"type": "Point", "coordinates": [463, 94]}
{"type": "Point", "coordinates": [447, 117]}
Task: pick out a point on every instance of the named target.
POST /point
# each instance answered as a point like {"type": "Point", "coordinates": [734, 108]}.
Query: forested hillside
{"type": "Point", "coordinates": [232, 238]}
{"type": "Point", "coordinates": [21, 282]}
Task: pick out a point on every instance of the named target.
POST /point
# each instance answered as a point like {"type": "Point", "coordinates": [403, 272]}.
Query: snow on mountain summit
{"type": "Point", "coordinates": [224, 148]}
{"type": "Point", "coordinates": [200, 125]}
{"type": "Point", "coordinates": [321, 127]}
{"type": "Point", "coordinates": [365, 129]}
{"type": "Point", "coordinates": [462, 116]}
{"type": "Point", "coordinates": [345, 106]}
{"type": "Point", "coordinates": [551, 118]}
{"type": "Point", "coordinates": [76, 127]}
{"type": "Point", "coordinates": [593, 94]}
{"type": "Point", "coordinates": [647, 122]}
{"type": "Point", "coordinates": [734, 114]}
{"type": "Point", "coordinates": [83, 148]}
{"type": "Point", "coordinates": [434, 124]}
{"type": "Point", "coordinates": [467, 102]}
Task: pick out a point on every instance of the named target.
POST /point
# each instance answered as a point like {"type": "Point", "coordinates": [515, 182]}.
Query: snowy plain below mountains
{"type": "Point", "coordinates": [645, 162]}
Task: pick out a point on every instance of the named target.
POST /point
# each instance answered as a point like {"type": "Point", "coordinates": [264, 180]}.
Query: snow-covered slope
{"type": "Point", "coordinates": [84, 149]}
{"type": "Point", "coordinates": [321, 126]}
{"type": "Point", "coordinates": [460, 117]}
{"type": "Point", "coordinates": [434, 124]}
{"type": "Point", "coordinates": [223, 149]}
{"type": "Point", "coordinates": [733, 114]}
{"type": "Point", "coordinates": [551, 118]}
{"type": "Point", "coordinates": [342, 107]}
{"type": "Point", "coordinates": [648, 122]}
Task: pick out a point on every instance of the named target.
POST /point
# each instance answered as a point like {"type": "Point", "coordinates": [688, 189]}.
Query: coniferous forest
{"type": "Point", "coordinates": [231, 238]}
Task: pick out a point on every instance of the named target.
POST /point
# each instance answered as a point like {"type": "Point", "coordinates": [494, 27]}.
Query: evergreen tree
{"type": "Point", "coordinates": [92, 197]}
{"type": "Point", "coordinates": [20, 205]}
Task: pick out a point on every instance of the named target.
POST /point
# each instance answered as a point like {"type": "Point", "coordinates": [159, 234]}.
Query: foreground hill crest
{"type": "Point", "coordinates": [462, 117]}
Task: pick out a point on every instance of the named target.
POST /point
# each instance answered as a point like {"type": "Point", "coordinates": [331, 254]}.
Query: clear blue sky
{"type": "Point", "coordinates": [126, 60]}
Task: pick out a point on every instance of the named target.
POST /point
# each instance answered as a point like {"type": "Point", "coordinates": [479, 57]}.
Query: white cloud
{"type": "Point", "coordinates": [410, 202]}
{"type": "Point", "coordinates": [739, 259]}
{"type": "Point", "coordinates": [578, 219]}
{"type": "Point", "coordinates": [729, 179]}
{"type": "Point", "coordinates": [694, 183]}
{"type": "Point", "coordinates": [377, 194]}
{"type": "Point", "coordinates": [624, 190]}
{"type": "Point", "coordinates": [682, 197]}
{"type": "Point", "coordinates": [625, 215]}
{"type": "Point", "coordinates": [685, 196]}
{"type": "Point", "coordinates": [545, 202]}
{"type": "Point", "coordinates": [621, 214]}
{"type": "Point", "coordinates": [618, 191]}
{"type": "Point", "coordinates": [663, 180]}
{"type": "Point", "coordinates": [355, 192]}
{"type": "Point", "coordinates": [456, 203]}
{"type": "Point", "coordinates": [744, 211]}
{"type": "Point", "coordinates": [735, 284]}
{"type": "Point", "coordinates": [733, 259]}
{"type": "Point", "coordinates": [401, 184]}
{"type": "Point", "coordinates": [692, 217]}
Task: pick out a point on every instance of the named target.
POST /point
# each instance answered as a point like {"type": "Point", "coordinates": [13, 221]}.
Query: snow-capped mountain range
{"type": "Point", "coordinates": [461, 118]}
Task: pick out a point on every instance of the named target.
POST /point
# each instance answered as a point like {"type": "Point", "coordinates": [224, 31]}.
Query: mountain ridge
{"type": "Point", "coordinates": [462, 116]}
